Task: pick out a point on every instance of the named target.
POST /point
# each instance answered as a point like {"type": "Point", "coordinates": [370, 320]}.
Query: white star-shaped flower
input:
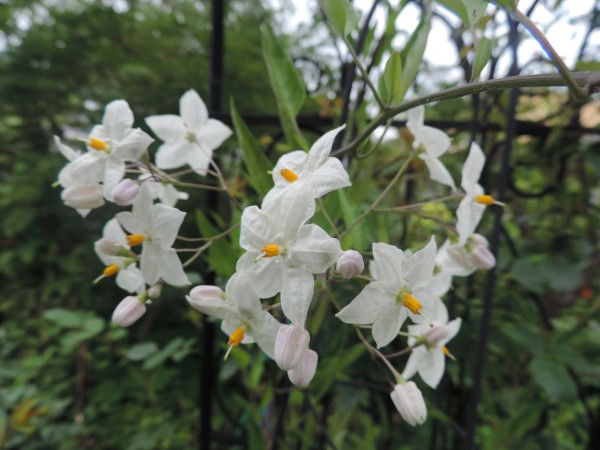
{"type": "Point", "coordinates": [113, 251]}
{"type": "Point", "coordinates": [428, 359]}
{"type": "Point", "coordinates": [435, 143]}
{"type": "Point", "coordinates": [189, 138]}
{"type": "Point", "coordinates": [155, 227]}
{"type": "Point", "coordinates": [283, 253]}
{"type": "Point", "coordinates": [244, 320]}
{"type": "Point", "coordinates": [401, 289]}
{"type": "Point", "coordinates": [316, 168]}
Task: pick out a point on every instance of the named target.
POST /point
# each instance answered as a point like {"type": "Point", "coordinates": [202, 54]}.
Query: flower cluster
{"type": "Point", "coordinates": [268, 299]}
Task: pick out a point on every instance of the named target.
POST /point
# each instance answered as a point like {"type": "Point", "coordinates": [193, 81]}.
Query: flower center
{"type": "Point", "coordinates": [487, 200]}
{"type": "Point", "coordinates": [111, 270]}
{"type": "Point", "coordinates": [98, 144]}
{"type": "Point", "coordinates": [135, 239]}
{"type": "Point", "coordinates": [410, 302]}
{"type": "Point", "coordinates": [190, 137]}
{"type": "Point", "coordinates": [236, 337]}
{"type": "Point", "coordinates": [269, 250]}
{"type": "Point", "coordinates": [289, 175]}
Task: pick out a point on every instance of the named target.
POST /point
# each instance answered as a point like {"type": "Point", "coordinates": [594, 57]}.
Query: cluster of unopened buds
{"type": "Point", "coordinates": [283, 251]}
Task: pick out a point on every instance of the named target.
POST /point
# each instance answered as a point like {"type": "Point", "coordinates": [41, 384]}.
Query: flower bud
{"type": "Point", "coordinates": [303, 373]}
{"type": "Point", "coordinates": [482, 258]}
{"type": "Point", "coordinates": [478, 239]}
{"type": "Point", "coordinates": [108, 247]}
{"type": "Point", "coordinates": [128, 311]}
{"type": "Point", "coordinates": [409, 402]}
{"type": "Point", "coordinates": [350, 264]}
{"type": "Point", "coordinates": [155, 291]}
{"type": "Point", "coordinates": [290, 345]}
{"type": "Point", "coordinates": [199, 294]}
{"type": "Point", "coordinates": [83, 196]}
{"type": "Point", "coordinates": [125, 193]}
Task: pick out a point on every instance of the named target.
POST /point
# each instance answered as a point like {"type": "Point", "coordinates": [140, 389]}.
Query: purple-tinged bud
{"type": "Point", "coordinates": [129, 310]}
{"type": "Point", "coordinates": [83, 196]}
{"type": "Point", "coordinates": [409, 402]}
{"type": "Point", "coordinates": [200, 294]}
{"type": "Point", "coordinates": [479, 239]}
{"type": "Point", "coordinates": [482, 258]}
{"type": "Point", "coordinates": [303, 373]}
{"type": "Point", "coordinates": [125, 193]}
{"type": "Point", "coordinates": [290, 345]}
{"type": "Point", "coordinates": [350, 264]}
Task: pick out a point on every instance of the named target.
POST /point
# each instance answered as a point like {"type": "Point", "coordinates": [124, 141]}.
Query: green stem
{"type": "Point", "coordinates": [567, 75]}
{"type": "Point", "coordinates": [590, 80]}
{"type": "Point", "coordinates": [365, 75]}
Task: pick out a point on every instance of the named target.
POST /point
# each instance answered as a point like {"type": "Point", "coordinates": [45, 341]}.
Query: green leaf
{"type": "Point", "coordinates": [391, 88]}
{"type": "Point", "coordinates": [287, 85]}
{"type": "Point", "coordinates": [358, 237]}
{"type": "Point", "coordinates": [256, 162]}
{"type": "Point", "coordinates": [64, 317]}
{"type": "Point", "coordinates": [483, 51]}
{"type": "Point", "coordinates": [553, 378]}
{"type": "Point", "coordinates": [221, 254]}
{"type": "Point", "coordinates": [141, 351]}
{"type": "Point", "coordinates": [412, 54]}
{"type": "Point", "coordinates": [342, 17]}
{"type": "Point", "coordinates": [469, 11]}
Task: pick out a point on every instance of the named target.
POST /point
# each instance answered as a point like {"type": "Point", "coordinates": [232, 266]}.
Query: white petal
{"type": "Point", "coordinates": [266, 273]}
{"type": "Point", "coordinates": [297, 289]}
{"type": "Point", "coordinates": [171, 155]}
{"type": "Point", "coordinates": [469, 214]}
{"type": "Point", "coordinates": [296, 207]}
{"type": "Point", "coordinates": [472, 168]}
{"type": "Point", "coordinates": [415, 360]}
{"type": "Point", "coordinates": [256, 230]}
{"type": "Point", "coordinates": [294, 161]}
{"type": "Point", "coordinates": [437, 170]}
{"type": "Point", "coordinates": [212, 134]}
{"type": "Point", "coordinates": [240, 290]}
{"type": "Point", "coordinates": [415, 118]}
{"type": "Point", "coordinates": [170, 268]}
{"type": "Point", "coordinates": [86, 169]}
{"type": "Point", "coordinates": [368, 306]}
{"type": "Point", "coordinates": [113, 174]}
{"type": "Point", "coordinates": [388, 263]}
{"type": "Point", "coordinates": [435, 141]}
{"type": "Point", "coordinates": [386, 328]}
{"type": "Point", "coordinates": [132, 146]}
{"type": "Point", "coordinates": [419, 266]}
{"type": "Point", "coordinates": [130, 279]}
{"type": "Point", "coordinates": [118, 119]}
{"type": "Point", "coordinates": [264, 331]}
{"type": "Point", "coordinates": [166, 224]}
{"type": "Point", "coordinates": [192, 109]}
{"type": "Point", "coordinates": [167, 127]}
{"type": "Point", "coordinates": [432, 366]}
{"type": "Point", "coordinates": [66, 151]}
{"type": "Point", "coordinates": [215, 307]}
{"type": "Point", "coordinates": [321, 149]}
{"type": "Point", "coordinates": [149, 262]}
{"type": "Point", "coordinates": [314, 249]}
{"type": "Point", "coordinates": [329, 177]}
{"type": "Point", "coordinates": [199, 158]}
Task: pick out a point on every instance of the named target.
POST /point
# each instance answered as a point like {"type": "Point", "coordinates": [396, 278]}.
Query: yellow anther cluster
{"type": "Point", "coordinates": [485, 199]}
{"type": "Point", "coordinates": [135, 239]}
{"type": "Point", "coordinates": [111, 270]}
{"type": "Point", "coordinates": [97, 144]}
{"type": "Point", "coordinates": [270, 250]}
{"type": "Point", "coordinates": [445, 350]}
{"type": "Point", "coordinates": [236, 337]}
{"type": "Point", "coordinates": [412, 303]}
{"type": "Point", "coordinates": [289, 175]}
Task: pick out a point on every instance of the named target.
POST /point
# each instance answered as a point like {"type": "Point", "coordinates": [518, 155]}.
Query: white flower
{"type": "Point", "coordinates": [428, 359]}
{"type": "Point", "coordinates": [155, 227]}
{"type": "Point", "coordinates": [244, 320]}
{"type": "Point", "coordinates": [434, 141]}
{"type": "Point", "coordinates": [114, 252]}
{"type": "Point", "coordinates": [400, 290]}
{"type": "Point", "coordinates": [128, 311]}
{"type": "Point", "coordinates": [283, 253]}
{"type": "Point", "coordinates": [189, 138]}
{"type": "Point", "coordinates": [409, 402]}
{"type": "Point", "coordinates": [163, 191]}
{"type": "Point", "coordinates": [316, 168]}
{"type": "Point", "coordinates": [83, 197]}
{"type": "Point", "coordinates": [469, 210]}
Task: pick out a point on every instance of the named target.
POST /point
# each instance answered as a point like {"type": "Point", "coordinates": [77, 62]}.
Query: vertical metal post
{"type": "Point", "coordinates": [480, 358]}
{"type": "Point", "coordinates": [208, 364]}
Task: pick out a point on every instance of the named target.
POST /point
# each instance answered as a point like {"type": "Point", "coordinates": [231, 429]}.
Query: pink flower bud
{"type": "Point", "coordinates": [199, 294]}
{"type": "Point", "coordinates": [290, 345]}
{"type": "Point", "coordinates": [409, 402]}
{"type": "Point", "coordinates": [129, 310]}
{"type": "Point", "coordinates": [479, 239]}
{"type": "Point", "coordinates": [125, 193]}
{"type": "Point", "coordinates": [350, 264]}
{"type": "Point", "coordinates": [303, 373]}
{"type": "Point", "coordinates": [482, 258]}
{"type": "Point", "coordinates": [83, 196]}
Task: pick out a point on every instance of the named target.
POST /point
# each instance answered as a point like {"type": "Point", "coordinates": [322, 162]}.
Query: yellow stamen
{"type": "Point", "coordinates": [111, 270]}
{"type": "Point", "coordinates": [135, 239]}
{"type": "Point", "coordinates": [97, 144]}
{"type": "Point", "coordinates": [270, 250]}
{"type": "Point", "coordinates": [236, 337]}
{"type": "Point", "coordinates": [485, 199]}
{"type": "Point", "coordinates": [445, 350]}
{"type": "Point", "coordinates": [289, 175]}
{"type": "Point", "coordinates": [412, 303]}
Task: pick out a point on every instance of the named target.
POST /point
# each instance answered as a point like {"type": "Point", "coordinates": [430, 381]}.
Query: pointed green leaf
{"type": "Point", "coordinates": [483, 51]}
{"type": "Point", "coordinates": [287, 86]}
{"type": "Point", "coordinates": [256, 162]}
{"type": "Point", "coordinates": [553, 378]}
{"type": "Point", "coordinates": [221, 255]}
{"type": "Point", "coordinates": [412, 54]}
{"type": "Point", "coordinates": [392, 79]}
{"type": "Point", "coordinates": [342, 17]}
